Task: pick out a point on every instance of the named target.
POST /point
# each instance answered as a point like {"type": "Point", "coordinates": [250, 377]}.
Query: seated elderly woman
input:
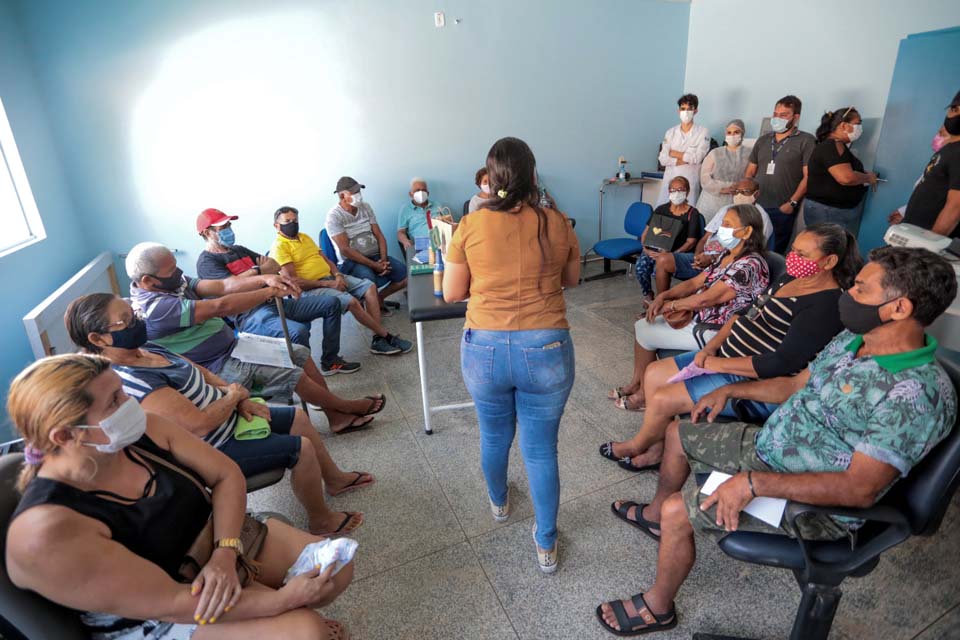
{"type": "Point", "coordinates": [778, 336]}
{"type": "Point", "coordinates": [198, 400]}
{"type": "Point", "coordinates": [114, 499]}
{"type": "Point", "coordinates": [691, 313]}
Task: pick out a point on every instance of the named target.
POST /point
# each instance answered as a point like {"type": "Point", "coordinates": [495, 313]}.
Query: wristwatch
{"type": "Point", "coordinates": [794, 204]}
{"type": "Point", "coordinates": [231, 543]}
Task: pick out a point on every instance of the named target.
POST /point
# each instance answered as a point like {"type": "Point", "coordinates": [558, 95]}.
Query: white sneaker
{"type": "Point", "coordinates": [547, 560]}
{"type": "Point", "coordinates": [501, 512]}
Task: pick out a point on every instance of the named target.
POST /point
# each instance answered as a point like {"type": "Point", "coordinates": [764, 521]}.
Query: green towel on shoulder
{"type": "Point", "coordinates": [256, 429]}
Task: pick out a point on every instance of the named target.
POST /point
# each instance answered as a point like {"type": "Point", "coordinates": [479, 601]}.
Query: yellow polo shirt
{"type": "Point", "coordinates": [303, 253]}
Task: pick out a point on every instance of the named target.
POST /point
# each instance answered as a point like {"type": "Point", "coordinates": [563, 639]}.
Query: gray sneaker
{"type": "Point", "coordinates": [383, 347]}
{"type": "Point", "coordinates": [405, 346]}
{"type": "Point", "coordinates": [339, 366]}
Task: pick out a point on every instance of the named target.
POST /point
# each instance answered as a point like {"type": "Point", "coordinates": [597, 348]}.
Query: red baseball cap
{"type": "Point", "coordinates": [211, 218]}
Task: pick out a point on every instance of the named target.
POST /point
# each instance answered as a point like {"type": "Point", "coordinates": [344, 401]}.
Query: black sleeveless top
{"type": "Point", "coordinates": [159, 527]}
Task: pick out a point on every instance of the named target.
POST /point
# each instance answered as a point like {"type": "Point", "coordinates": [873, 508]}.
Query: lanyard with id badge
{"type": "Point", "coordinates": [774, 150]}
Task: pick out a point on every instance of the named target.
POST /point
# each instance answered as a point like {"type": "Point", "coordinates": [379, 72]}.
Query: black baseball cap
{"type": "Point", "coordinates": [346, 183]}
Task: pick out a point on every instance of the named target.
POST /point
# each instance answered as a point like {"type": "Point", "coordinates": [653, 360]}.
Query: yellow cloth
{"type": "Point", "coordinates": [256, 429]}
{"type": "Point", "coordinates": [303, 253]}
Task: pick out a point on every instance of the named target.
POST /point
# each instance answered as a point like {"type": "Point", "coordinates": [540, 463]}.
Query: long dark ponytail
{"type": "Point", "coordinates": [834, 240]}
{"type": "Point", "coordinates": [512, 171]}
{"type": "Point", "coordinates": [832, 119]}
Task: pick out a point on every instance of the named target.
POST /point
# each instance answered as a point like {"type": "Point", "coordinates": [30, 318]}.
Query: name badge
{"type": "Point", "coordinates": [771, 167]}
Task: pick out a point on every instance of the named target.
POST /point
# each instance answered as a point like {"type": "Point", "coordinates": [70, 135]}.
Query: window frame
{"type": "Point", "coordinates": [12, 165]}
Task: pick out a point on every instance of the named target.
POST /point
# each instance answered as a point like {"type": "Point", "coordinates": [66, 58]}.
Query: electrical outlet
{"type": "Point", "coordinates": [438, 19]}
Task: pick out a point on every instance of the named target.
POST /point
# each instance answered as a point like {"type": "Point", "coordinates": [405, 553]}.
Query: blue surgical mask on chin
{"type": "Point", "coordinates": [779, 125]}
{"type": "Point", "coordinates": [226, 237]}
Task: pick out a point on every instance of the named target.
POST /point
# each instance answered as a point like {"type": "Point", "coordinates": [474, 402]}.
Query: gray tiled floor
{"type": "Point", "coordinates": [433, 564]}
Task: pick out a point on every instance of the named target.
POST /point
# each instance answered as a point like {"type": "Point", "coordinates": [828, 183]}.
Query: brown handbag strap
{"type": "Point", "coordinates": [152, 457]}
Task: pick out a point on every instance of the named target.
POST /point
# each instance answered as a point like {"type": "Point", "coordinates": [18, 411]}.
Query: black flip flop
{"type": "Point", "coordinates": [353, 486]}
{"type": "Point", "coordinates": [350, 515]}
{"type": "Point", "coordinates": [373, 401]}
{"type": "Point", "coordinates": [353, 426]}
{"type": "Point", "coordinates": [606, 450]}
{"type": "Point", "coordinates": [641, 523]}
{"type": "Point", "coordinates": [626, 622]}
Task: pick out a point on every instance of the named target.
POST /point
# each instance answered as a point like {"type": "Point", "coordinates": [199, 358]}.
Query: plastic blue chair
{"type": "Point", "coordinates": [326, 245]}
{"type": "Point", "coordinates": [624, 249]}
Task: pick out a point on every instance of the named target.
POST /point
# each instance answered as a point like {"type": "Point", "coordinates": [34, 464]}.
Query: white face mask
{"type": "Point", "coordinates": [734, 140]}
{"type": "Point", "coordinates": [741, 199]}
{"type": "Point", "coordinates": [779, 125]}
{"type": "Point", "coordinates": [124, 427]}
{"type": "Point", "coordinates": [356, 199]}
{"type": "Point", "coordinates": [726, 238]}
{"type": "Point", "coordinates": [856, 133]}
{"type": "Point", "coordinates": [686, 116]}
{"type": "Point", "coordinates": [420, 196]}
{"type": "Point", "coordinates": [678, 197]}
{"type": "Point", "coordinates": [485, 188]}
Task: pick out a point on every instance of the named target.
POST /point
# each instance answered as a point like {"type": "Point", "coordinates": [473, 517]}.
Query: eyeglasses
{"type": "Point", "coordinates": [757, 307]}
{"type": "Point", "coordinates": [743, 192]}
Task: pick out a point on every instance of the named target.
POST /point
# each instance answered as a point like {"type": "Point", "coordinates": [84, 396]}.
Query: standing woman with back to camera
{"type": "Point", "coordinates": [516, 353]}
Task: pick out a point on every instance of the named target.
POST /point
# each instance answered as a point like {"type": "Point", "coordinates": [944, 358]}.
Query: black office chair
{"type": "Point", "coordinates": [914, 507]}
{"type": "Point", "coordinates": [466, 207]}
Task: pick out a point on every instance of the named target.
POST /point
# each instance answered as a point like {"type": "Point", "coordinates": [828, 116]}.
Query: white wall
{"type": "Point", "coordinates": [742, 55]}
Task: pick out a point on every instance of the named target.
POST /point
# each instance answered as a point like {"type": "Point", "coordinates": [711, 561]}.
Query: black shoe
{"type": "Point", "coordinates": [339, 366]}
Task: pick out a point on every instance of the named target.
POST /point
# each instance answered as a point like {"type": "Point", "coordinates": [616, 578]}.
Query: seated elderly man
{"type": "Point", "coordinates": [359, 242]}
{"type": "Point", "coordinates": [863, 414]}
{"type": "Point", "coordinates": [412, 218]}
{"type": "Point", "coordinates": [302, 261]}
{"type": "Point", "coordinates": [180, 318]}
{"type": "Point", "coordinates": [686, 266]}
{"type": "Point", "coordinates": [223, 259]}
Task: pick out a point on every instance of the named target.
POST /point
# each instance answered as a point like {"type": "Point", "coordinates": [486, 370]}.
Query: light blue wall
{"type": "Point", "coordinates": [31, 274]}
{"type": "Point", "coordinates": [321, 89]}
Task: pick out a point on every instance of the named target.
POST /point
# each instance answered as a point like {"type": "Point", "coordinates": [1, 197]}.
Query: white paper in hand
{"type": "Point", "coordinates": [770, 510]}
{"type": "Point", "coordinates": [322, 554]}
{"type": "Point", "coordinates": [262, 350]}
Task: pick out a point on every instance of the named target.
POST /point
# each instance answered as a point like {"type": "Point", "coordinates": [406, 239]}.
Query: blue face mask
{"type": "Point", "coordinates": [779, 125]}
{"type": "Point", "coordinates": [226, 237]}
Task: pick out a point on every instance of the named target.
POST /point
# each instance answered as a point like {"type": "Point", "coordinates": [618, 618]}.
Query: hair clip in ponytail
{"type": "Point", "coordinates": [502, 193]}
{"type": "Point", "coordinates": [32, 455]}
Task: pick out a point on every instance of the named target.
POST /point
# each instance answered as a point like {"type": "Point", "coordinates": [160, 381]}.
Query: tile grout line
{"type": "Point", "coordinates": [935, 621]}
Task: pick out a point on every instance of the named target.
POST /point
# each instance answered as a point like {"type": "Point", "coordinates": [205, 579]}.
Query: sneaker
{"type": "Point", "coordinates": [383, 347]}
{"type": "Point", "coordinates": [546, 560]}
{"type": "Point", "coordinates": [391, 304]}
{"type": "Point", "coordinates": [385, 312]}
{"type": "Point", "coordinates": [405, 346]}
{"type": "Point", "coordinates": [501, 512]}
{"type": "Point", "coordinates": [339, 366]}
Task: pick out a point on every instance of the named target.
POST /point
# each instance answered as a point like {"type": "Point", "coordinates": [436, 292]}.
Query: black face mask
{"type": "Point", "coordinates": [290, 229]}
{"type": "Point", "coordinates": [171, 282]}
{"type": "Point", "coordinates": [952, 125]}
{"type": "Point", "coordinates": [861, 318]}
{"type": "Point", "coordinates": [133, 336]}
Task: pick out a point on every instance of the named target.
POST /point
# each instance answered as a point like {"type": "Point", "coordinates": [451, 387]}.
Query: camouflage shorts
{"type": "Point", "coordinates": [731, 447]}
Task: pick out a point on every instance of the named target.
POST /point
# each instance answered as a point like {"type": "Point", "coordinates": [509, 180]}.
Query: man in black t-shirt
{"type": "Point", "coordinates": [935, 202]}
{"type": "Point", "coordinates": [223, 259]}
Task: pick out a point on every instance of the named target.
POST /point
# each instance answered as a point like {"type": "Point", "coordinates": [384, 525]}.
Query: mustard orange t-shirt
{"type": "Point", "coordinates": [514, 277]}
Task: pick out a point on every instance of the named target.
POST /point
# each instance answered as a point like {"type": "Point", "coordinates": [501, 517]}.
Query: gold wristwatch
{"type": "Point", "coordinates": [230, 543]}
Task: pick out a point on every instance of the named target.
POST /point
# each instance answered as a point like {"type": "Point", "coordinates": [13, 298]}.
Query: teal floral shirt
{"type": "Point", "coordinates": [893, 408]}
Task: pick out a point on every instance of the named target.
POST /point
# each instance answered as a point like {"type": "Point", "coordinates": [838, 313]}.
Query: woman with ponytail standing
{"type": "Point", "coordinates": [516, 353]}
{"type": "Point", "coordinates": [836, 181]}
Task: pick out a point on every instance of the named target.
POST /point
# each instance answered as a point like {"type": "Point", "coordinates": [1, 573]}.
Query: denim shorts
{"type": "Point", "coordinates": [356, 287]}
{"type": "Point", "coordinates": [397, 273]}
{"type": "Point", "coordinates": [702, 385]}
{"type": "Point", "coordinates": [278, 450]}
{"type": "Point", "coordinates": [685, 269]}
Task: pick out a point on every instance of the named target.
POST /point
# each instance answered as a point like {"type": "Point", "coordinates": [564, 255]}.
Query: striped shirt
{"type": "Point", "coordinates": [181, 376]}
{"type": "Point", "coordinates": [786, 333]}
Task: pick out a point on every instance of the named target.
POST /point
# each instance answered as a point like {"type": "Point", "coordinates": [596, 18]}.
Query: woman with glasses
{"type": "Point", "coordinates": [721, 169]}
{"type": "Point", "coordinates": [689, 314]}
{"type": "Point", "coordinates": [674, 227]}
{"type": "Point", "coordinates": [196, 399]}
{"type": "Point", "coordinates": [513, 260]}
{"type": "Point", "coordinates": [798, 316]}
{"type": "Point", "coordinates": [837, 183]}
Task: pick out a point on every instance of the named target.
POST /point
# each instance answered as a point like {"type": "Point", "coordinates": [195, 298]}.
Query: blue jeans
{"type": "Point", "coordinates": [520, 377]}
{"type": "Point", "coordinates": [398, 271]}
{"type": "Point", "coordinates": [265, 321]}
{"type": "Point", "coordinates": [814, 212]}
{"type": "Point", "coordinates": [700, 386]}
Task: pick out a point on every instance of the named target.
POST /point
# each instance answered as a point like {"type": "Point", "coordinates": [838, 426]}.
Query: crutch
{"type": "Point", "coordinates": [286, 338]}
